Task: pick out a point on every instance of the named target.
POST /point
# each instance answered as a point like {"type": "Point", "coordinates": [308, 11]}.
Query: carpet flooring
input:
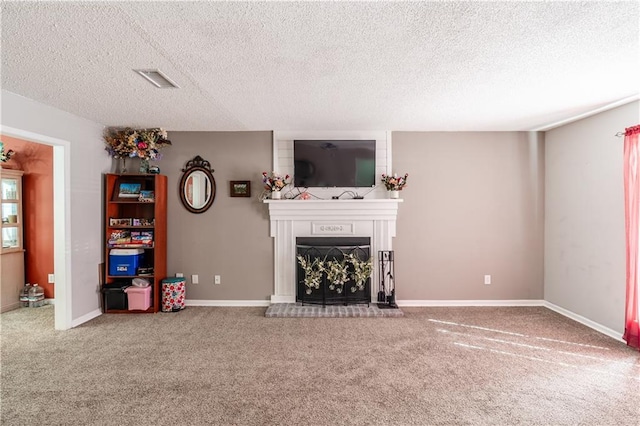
{"type": "Point", "coordinates": [233, 366]}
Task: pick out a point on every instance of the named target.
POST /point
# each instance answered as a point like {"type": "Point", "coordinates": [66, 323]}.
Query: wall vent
{"type": "Point", "coordinates": [158, 79]}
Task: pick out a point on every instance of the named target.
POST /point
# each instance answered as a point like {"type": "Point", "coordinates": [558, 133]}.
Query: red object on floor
{"type": "Point", "coordinates": [173, 294]}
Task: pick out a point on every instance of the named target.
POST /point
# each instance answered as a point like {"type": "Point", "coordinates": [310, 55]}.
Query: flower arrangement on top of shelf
{"type": "Point", "coordinates": [394, 183]}
{"type": "Point", "coordinates": [145, 144]}
{"type": "Point", "coordinates": [5, 155]}
{"type": "Point", "coordinates": [274, 183]}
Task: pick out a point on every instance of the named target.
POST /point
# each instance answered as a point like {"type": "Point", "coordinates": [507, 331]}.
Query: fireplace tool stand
{"type": "Point", "coordinates": [387, 288]}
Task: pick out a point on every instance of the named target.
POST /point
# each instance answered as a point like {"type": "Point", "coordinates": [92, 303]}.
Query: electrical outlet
{"type": "Point", "coordinates": [216, 279]}
{"type": "Point", "coordinates": [487, 279]}
{"type": "Point", "coordinates": [52, 279]}
{"type": "Point", "coordinates": [194, 279]}
{"type": "Point", "coordinates": [179, 275]}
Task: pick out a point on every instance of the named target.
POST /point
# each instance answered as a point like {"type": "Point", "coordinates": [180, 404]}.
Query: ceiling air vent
{"type": "Point", "coordinates": [158, 79]}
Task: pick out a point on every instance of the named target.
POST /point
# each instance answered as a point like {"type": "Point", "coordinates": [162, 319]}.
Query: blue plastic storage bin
{"type": "Point", "coordinates": [125, 262]}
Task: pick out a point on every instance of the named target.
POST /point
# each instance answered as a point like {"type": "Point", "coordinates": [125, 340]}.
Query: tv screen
{"type": "Point", "coordinates": [331, 163]}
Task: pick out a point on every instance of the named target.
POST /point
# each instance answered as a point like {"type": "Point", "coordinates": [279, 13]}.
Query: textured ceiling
{"type": "Point", "coordinates": [324, 65]}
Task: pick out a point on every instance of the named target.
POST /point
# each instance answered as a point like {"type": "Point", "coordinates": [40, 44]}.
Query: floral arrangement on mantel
{"type": "Point", "coordinates": [395, 182]}
{"type": "Point", "coordinates": [274, 182]}
{"type": "Point", "coordinates": [5, 155]}
{"type": "Point", "coordinates": [142, 143]}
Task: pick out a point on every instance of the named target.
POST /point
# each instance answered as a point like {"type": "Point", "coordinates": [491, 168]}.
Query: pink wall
{"type": "Point", "coordinates": [36, 160]}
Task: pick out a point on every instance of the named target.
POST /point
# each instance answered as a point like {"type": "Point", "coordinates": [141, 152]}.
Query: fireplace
{"type": "Point", "coordinates": [333, 270]}
{"type": "Point", "coordinates": [373, 219]}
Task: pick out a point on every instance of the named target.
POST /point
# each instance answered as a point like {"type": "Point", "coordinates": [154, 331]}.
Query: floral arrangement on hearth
{"type": "Point", "coordinates": [395, 182]}
{"type": "Point", "coordinates": [142, 143]}
{"type": "Point", "coordinates": [5, 155]}
{"type": "Point", "coordinates": [337, 272]}
{"type": "Point", "coordinates": [362, 270]}
{"type": "Point", "coordinates": [274, 182]}
{"type": "Point", "coordinates": [313, 270]}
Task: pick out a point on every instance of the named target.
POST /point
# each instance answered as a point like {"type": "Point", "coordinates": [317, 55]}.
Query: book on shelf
{"type": "Point", "coordinates": [142, 237]}
{"type": "Point", "coordinates": [117, 221]}
{"type": "Point", "coordinates": [119, 237]}
{"type": "Point", "coordinates": [143, 222]}
{"type": "Point", "coordinates": [124, 238]}
{"type": "Point", "coordinates": [145, 271]}
{"type": "Point", "coordinates": [125, 221]}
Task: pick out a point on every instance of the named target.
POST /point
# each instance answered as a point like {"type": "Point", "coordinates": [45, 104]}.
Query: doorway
{"type": "Point", "coordinates": [61, 220]}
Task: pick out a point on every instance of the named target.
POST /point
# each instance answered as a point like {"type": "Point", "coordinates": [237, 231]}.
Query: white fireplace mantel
{"type": "Point", "coordinates": [289, 219]}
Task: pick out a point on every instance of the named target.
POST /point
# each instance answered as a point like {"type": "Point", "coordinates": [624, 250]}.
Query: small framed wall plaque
{"type": "Point", "coordinates": [240, 188]}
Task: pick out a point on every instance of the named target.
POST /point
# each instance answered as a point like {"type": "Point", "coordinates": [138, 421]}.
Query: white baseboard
{"type": "Point", "coordinates": [228, 303]}
{"type": "Point", "coordinates": [49, 301]}
{"type": "Point", "coordinates": [86, 317]}
{"type": "Point", "coordinates": [9, 307]}
{"type": "Point", "coordinates": [578, 318]}
{"type": "Point", "coordinates": [283, 299]}
{"type": "Point", "coordinates": [406, 303]}
{"type": "Point", "coordinates": [433, 303]}
{"type": "Point", "coordinates": [586, 321]}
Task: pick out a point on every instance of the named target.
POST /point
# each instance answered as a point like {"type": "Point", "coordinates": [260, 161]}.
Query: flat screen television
{"type": "Point", "coordinates": [334, 163]}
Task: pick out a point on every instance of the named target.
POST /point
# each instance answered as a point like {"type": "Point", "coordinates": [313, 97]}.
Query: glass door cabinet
{"type": "Point", "coordinates": [11, 210]}
{"type": "Point", "coordinates": [12, 251]}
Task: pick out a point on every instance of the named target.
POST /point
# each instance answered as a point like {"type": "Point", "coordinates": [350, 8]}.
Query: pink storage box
{"type": "Point", "coordinates": [139, 298]}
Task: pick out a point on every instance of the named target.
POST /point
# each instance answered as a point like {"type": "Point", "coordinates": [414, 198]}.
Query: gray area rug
{"type": "Point", "coordinates": [297, 310]}
{"type": "Point", "coordinates": [233, 366]}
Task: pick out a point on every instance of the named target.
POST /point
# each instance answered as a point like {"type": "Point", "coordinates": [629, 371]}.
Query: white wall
{"type": "Point", "coordinates": [88, 161]}
{"type": "Point", "coordinates": [584, 216]}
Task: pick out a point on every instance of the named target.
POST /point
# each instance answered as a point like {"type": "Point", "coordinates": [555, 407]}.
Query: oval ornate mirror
{"type": "Point", "coordinates": [197, 186]}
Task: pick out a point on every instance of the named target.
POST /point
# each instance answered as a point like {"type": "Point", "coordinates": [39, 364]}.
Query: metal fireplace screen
{"type": "Point", "coordinates": [333, 270]}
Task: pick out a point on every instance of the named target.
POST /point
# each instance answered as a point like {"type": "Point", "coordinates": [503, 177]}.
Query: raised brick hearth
{"type": "Point", "coordinates": [296, 310]}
